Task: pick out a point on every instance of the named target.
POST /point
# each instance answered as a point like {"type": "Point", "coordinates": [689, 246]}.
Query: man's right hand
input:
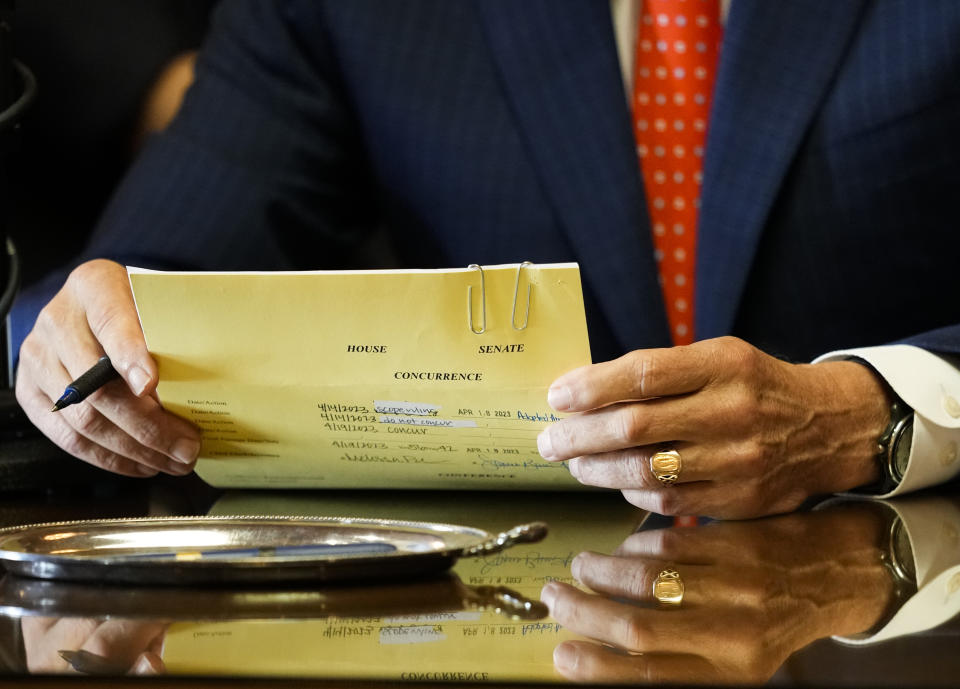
{"type": "Point", "coordinates": [122, 427]}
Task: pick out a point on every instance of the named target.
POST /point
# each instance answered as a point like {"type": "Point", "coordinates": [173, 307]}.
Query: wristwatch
{"type": "Point", "coordinates": [893, 446]}
{"type": "Point", "coordinates": [896, 556]}
{"type": "Point", "coordinates": [894, 443]}
{"type": "Point", "coordinates": [899, 559]}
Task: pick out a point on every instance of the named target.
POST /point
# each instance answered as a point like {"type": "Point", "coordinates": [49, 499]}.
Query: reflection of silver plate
{"type": "Point", "coordinates": [23, 597]}
{"type": "Point", "coordinates": [207, 550]}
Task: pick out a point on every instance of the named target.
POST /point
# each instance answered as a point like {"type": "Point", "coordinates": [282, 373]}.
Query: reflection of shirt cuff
{"type": "Point", "coordinates": [930, 384]}
{"type": "Point", "coordinates": [933, 526]}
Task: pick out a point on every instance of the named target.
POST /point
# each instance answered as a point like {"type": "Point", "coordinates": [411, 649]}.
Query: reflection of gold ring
{"type": "Point", "coordinates": [668, 587]}
{"type": "Point", "coordinates": [666, 466]}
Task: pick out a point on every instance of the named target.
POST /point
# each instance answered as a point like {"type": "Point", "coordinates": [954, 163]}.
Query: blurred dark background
{"type": "Point", "coordinates": [95, 62]}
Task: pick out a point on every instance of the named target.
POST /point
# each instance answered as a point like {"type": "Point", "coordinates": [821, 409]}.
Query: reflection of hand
{"type": "Point", "coordinates": [756, 435]}
{"type": "Point", "coordinates": [754, 593]}
{"type": "Point", "coordinates": [120, 646]}
{"type": "Point", "coordinates": [121, 427]}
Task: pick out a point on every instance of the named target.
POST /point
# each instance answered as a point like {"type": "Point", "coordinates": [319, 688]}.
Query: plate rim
{"type": "Point", "coordinates": [423, 526]}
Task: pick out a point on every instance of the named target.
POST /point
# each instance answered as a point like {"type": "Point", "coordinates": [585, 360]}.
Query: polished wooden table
{"type": "Point", "coordinates": [780, 601]}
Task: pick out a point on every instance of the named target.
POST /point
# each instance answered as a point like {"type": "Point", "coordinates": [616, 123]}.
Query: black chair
{"type": "Point", "coordinates": [18, 89]}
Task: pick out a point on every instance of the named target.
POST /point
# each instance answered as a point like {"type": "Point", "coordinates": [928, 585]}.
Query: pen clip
{"type": "Point", "coordinates": [516, 289]}
{"type": "Point", "coordinates": [483, 302]}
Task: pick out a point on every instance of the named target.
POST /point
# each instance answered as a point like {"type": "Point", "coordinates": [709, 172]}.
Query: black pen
{"type": "Point", "coordinates": [89, 382]}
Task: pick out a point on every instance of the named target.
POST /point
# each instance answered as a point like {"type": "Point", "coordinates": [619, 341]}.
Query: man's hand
{"type": "Point", "coordinates": [754, 592]}
{"type": "Point", "coordinates": [756, 435]}
{"type": "Point", "coordinates": [122, 427]}
{"type": "Point", "coordinates": [116, 647]}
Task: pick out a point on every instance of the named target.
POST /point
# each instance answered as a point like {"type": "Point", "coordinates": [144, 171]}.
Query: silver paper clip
{"type": "Point", "coordinates": [516, 290]}
{"type": "Point", "coordinates": [483, 301]}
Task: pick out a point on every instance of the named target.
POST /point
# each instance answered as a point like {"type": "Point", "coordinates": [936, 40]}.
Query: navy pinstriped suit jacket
{"type": "Point", "coordinates": [487, 131]}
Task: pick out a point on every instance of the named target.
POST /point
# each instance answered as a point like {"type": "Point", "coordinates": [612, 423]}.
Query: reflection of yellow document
{"type": "Point", "coordinates": [448, 646]}
{"type": "Point", "coordinates": [367, 378]}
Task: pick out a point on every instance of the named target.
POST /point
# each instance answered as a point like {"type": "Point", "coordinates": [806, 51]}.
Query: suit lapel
{"type": "Point", "coordinates": [559, 66]}
{"type": "Point", "coordinates": [777, 62]}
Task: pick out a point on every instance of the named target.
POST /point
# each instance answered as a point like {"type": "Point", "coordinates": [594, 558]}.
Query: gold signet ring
{"type": "Point", "coordinates": [668, 587]}
{"type": "Point", "coordinates": [666, 466]}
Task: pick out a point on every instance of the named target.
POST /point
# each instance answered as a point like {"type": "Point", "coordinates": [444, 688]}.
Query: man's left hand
{"type": "Point", "coordinates": [756, 435]}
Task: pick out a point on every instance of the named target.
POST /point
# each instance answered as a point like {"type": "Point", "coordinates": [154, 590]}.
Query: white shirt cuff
{"type": "Point", "coordinates": [932, 525]}
{"type": "Point", "coordinates": [930, 384]}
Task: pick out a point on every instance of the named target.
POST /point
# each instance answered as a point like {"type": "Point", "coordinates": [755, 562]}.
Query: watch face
{"type": "Point", "coordinates": [900, 452]}
{"type": "Point", "coordinates": [901, 552]}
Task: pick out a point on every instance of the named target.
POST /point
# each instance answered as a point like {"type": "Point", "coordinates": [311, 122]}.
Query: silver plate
{"type": "Point", "coordinates": [245, 550]}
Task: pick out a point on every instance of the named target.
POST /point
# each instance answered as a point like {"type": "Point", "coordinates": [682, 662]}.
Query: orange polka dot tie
{"type": "Point", "coordinates": [677, 46]}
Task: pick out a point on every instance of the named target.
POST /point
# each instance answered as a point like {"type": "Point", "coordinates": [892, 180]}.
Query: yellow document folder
{"type": "Point", "coordinates": [398, 378]}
